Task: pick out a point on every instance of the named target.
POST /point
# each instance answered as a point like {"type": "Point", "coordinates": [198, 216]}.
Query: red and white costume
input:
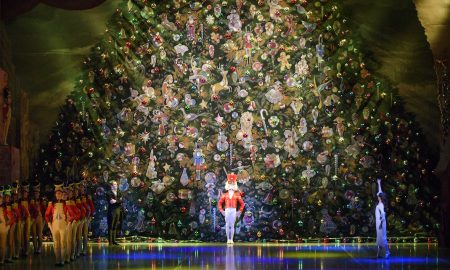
{"type": "Point", "coordinates": [56, 217]}
{"type": "Point", "coordinates": [6, 219]}
{"type": "Point", "coordinates": [81, 222]}
{"type": "Point", "coordinates": [72, 224]}
{"type": "Point", "coordinates": [231, 199]}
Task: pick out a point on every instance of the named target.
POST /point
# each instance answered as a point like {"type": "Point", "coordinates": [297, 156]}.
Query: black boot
{"type": "Point", "coordinates": [110, 237]}
{"type": "Point", "coordinates": [114, 238]}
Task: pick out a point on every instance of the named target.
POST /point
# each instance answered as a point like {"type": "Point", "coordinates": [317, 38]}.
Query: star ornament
{"type": "Point", "coordinates": [145, 136]}
{"type": "Point", "coordinates": [166, 167]}
{"type": "Point", "coordinates": [203, 104]}
{"type": "Point", "coordinates": [219, 119]}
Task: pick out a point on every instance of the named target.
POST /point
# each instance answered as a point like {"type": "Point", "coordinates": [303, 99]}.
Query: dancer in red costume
{"type": "Point", "coordinates": [231, 198]}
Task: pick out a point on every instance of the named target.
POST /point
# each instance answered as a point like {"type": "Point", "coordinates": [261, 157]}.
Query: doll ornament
{"type": "Point", "coordinates": [231, 199]}
{"type": "Point", "coordinates": [199, 160]}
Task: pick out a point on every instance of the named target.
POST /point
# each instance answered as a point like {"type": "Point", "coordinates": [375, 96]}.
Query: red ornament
{"type": "Point", "coordinates": [91, 90]}
{"type": "Point", "coordinates": [128, 44]}
{"type": "Point", "coordinates": [233, 68]}
{"type": "Point", "coordinates": [183, 209]}
{"type": "Point", "coordinates": [228, 35]}
{"type": "Point", "coordinates": [215, 97]}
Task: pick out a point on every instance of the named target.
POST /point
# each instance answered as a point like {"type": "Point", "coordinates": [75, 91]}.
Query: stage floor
{"type": "Point", "coordinates": [244, 256]}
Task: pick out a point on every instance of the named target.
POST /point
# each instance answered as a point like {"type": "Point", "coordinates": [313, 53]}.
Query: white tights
{"type": "Point", "coordinates": [230, 219]}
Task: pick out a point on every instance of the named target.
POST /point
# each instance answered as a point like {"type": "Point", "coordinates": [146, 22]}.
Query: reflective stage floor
{"type": "Point", "coordinates": [244, 256]}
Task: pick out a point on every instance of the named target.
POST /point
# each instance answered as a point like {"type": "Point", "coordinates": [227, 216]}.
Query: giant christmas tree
{"type": "Point", "coordinates": [180, 92]}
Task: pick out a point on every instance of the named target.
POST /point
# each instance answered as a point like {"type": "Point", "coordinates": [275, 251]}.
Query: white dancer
{"type": "Point", "coordinates": [380, 216]}
{"type": "Point", "coordinates": [231, 198]}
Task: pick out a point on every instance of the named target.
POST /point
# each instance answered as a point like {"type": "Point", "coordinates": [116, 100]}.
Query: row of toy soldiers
{"type": "Point", "coordinates": [21, 215]}
{"type": "Point", "coordinates": [68, 217]}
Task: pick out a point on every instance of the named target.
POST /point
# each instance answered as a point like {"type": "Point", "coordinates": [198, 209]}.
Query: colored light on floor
{"type": "Point", "coordinates": [249, 256]}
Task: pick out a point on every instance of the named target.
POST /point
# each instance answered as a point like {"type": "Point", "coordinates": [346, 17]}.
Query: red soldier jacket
{"type": "Point", "coordinates": [87, 207]}
{"type": "Point", "coordinates": [80, 206]}
{"type": "Point", "coordinates": [91, 205]}
{"type": "Point", "coordinates": [24, 209]}
{"type": "Point", "coordinates": [231, 203]}
{"type": "Point", "coordinates": [73, 211]}
{"type": "Point", "coordinates": [8, 215]}
{"type": "Point", "coordinates": [17, 212]}
{"type": "Point", "coordinates": [12, 215]}
{"type": "Point", "coordinates": [51, 209]}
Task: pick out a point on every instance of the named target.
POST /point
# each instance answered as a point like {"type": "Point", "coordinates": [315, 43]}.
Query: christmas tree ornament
{"type": "Point", "coordinates": [199, 160]}
{"type": "Point", "coordinates": [290, 145]}
{"type": "Point", "coordinates": [234, 21]}
{"type": "Point", "coordinates": [202, 216]}
{"type": "Point", "coordinates": [222, 143]}
{"type": "Point", "coordinates": [184, 179]}
{"type": "Point", "coordinates": [308, 174]}
{"type": "Point", "coordinates": [167, 24]}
